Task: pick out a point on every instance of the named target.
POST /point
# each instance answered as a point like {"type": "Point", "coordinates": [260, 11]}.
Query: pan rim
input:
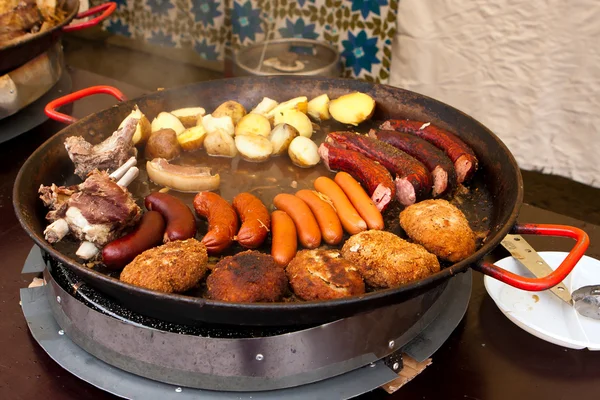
{"type": "Point", "coordinates": [200, 302]}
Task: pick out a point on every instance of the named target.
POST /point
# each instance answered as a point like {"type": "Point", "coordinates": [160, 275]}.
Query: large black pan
{"type": "Point", "coordinates": [19, 52]}
{"type": "Point", "coordinates": [492, 206]}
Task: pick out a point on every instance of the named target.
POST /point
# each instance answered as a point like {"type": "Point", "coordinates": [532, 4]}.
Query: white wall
{"type": "Point", "coordinates": [529, 70]}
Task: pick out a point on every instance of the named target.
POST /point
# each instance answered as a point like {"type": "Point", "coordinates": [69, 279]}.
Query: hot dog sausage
{"type": "Point", "coordinates": [284, 240]}
{"type": "Point", "coordinates": [181, 224]}
{"type": "Point", "coordinates": [360, 200]}
{"type": "Point", "coordinates": [327, 218]}
{"type": "Point", "coordinates": [255, 218]}
{"type": "Point", "coordinates": [306, 224]}
{"type": "Point", "coordinates": [222, 221]}
{"type": "Point", "coordinates": [351, 220]}
{"type": "Point", "coordinates": [147, 234]}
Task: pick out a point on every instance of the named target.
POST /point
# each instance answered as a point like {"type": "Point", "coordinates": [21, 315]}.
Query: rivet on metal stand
{"type": "Point", "coordinates": [391, 344]}
{"type": "Point", "coordinates": [179, 390]}
{"type": "Point", "coordinates": [61, 332]}
{"type": "Point", "coordinates": [259, 357]}
{"type": "Point", "coordinates": [58, 299]}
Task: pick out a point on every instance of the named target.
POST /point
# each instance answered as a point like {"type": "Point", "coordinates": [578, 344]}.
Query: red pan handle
{"type": "Point", "coordinates": [107, 9]}
{"type": "Point", "coordinates": [51, 107]}
{"type": "Point", "coordinates": [551, 280]}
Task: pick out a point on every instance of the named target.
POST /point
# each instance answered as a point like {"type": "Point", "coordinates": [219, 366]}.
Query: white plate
{"type": "Point", "coordinates": [542, 313]}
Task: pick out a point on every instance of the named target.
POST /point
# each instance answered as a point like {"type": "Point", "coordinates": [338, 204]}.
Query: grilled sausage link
{"type": "Point", "coordinates": [222, 221]}
{"type": "Point", "coordinates": [255, 218]}
{"type": "Point", "coordinates": [284, 238]}
{"type": "Point", "coordinates": [360, 200]}
{"type": "Point", "coordinates": [306, 224]}
{"type": "Point", "coordinates": [465, 161]}
{"type": "Point", "coordinates": [327, 218]}
{"type": "Point", "coordinates": [147, 234]}
{"type": "Point", "coordinates": [376, 180]}
{"type": "Point", "coordinates": [349, 217]}
{"type": "Point", "coordinates": [181, 224]}
{"type": "Point", "coordinates": [413, 180]}
{"type": "Point", "coordinates": [437, 162]}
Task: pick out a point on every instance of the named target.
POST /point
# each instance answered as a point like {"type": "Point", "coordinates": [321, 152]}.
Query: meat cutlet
{"type": "Point", "coordinates": [247, 277]}
{"type": "Point", "coordinates": [323, 275]}
{"type": "Point", "coordinates": [441, 228]}
{"type": "Point", "coordinates": [174, 267]}
{"type": "Point", "coordinates": [384, 260]}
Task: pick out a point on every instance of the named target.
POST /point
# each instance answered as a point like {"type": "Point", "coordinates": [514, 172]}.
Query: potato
{"type": "Point", "coordinates": [318, 108]}
{"type": "Point", "coordinates": [220, 144]}
{"type": "Point", "coordinates": [143, 128]}
{"type": "Point", "coordinates": [353, 108]}
{"type": "Point", "coordinates": [298, 103]}
{"type": "Point", "coordinates": [254, 147]}
{"type": "Point", "coordinates": [192, 138]}
{"type": "Point", "coordinates": [264, 106]}
{"type": "Point", "coordinates": [281, 136]}
{"type": "Point", "coordinates": [189, 116]}
{"type": "Point", "coordinates": [163, 144]}
{"type": "Point", "coordinates": [165, 120]}
{"type": "Point", "coordinates": [303, 152]}
{"type": "Point", "coordinates": [231, 109]}
{"type": "Point", "coordinates": [253, 124]}
{"type": "Point", "coordinates": [296, 119]}
{"type": "Point", "coordinates": [213, 124]}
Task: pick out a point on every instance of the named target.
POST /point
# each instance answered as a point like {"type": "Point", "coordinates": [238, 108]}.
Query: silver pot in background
{"type": "Point", "coordinates": [288, 57]}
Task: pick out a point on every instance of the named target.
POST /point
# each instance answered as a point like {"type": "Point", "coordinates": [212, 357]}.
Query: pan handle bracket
{"type": "Point", "coordinates": [551, 280]}
{"type": "Point", "coordinates": [107, 9]}
{"type": "Point", "coordinates": [51, 107]}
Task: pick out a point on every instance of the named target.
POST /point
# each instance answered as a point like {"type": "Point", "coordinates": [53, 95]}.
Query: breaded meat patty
{"type": "Point", "coordinates": [173, 267]}
{"type": "Point", "coordinates": [441, 228]}
{"type": "Point", "coordinates": [385, 260]}
{"type": "Point", "coordinates": [323, 275]}
{"type": "Point", "coordinates": [247, 277]}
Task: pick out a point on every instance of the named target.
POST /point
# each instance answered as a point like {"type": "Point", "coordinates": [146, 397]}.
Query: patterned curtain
{"type": "Point", "coordinates": [362, 30]}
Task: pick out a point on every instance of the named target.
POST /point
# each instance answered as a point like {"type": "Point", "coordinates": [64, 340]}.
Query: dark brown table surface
{"type": "Point", "coordinates": [486, 357]}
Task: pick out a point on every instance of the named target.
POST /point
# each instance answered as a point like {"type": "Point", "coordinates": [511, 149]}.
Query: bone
{"type": "Point", "coordinates": [87, 250]}
{"type": "Point", "coordinates": [129, 177]}
{"type": "Point", "coordinates": [122, 170]}
{"type": "Point", "coordinates": [56, 231]}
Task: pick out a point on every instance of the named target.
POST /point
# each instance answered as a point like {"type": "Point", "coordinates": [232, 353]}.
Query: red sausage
{"type": "Point", "coordinates": [459, 152]}
{"type": "Point", "coordinates": [256, 221]}
{"type": "Point", "coordinates": [222, 221]}
{"type": "Point", "coordinates": [181, 224]}
{"type": "Point", "coordinates": [147, 234]}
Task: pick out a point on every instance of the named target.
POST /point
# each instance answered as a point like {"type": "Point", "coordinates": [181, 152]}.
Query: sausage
{"type": "Point", "coordinates": [437, 162]}
{"type": "Point", "coordinates": [459, 152]}
{"type": "Point", "coordinates": [284, 240]}
{"type": "Point", "coordinates": [222, 221]}
{"type": "Point", "coordinates": [147, 234]}
{"type": "Point", "coordinates": [307, 227]}
{"type": "Point", "coordinates": [374, 177]}
{"type": "Point", "coordinates": [256, 221]}
{"type": "Point", "coordinates": [413, 180]}
{"type": "Point", "coordinates": [349, 217]}
{"type": "Point", "coordinates": [328, 220]}
{"type": "Point", "coordinates": [360, 200]}
{"type": "Point", "coordinates": [181, 224]}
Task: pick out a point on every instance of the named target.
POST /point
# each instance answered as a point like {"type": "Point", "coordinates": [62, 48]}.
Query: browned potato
{"type": "Point", "coordinates": [231, 109]}
{"type": "Point", "coordinates": [220, 144]}
{"type": "Point", "coordinates": [165, 120]}
{"type": "Point", "coordinates": [297, 119]}
{"type": "Point", "coordinates": [353, 108]}
{"type": "Point", "coordinates": [297, 103]}
{"type": "Point", "coordinates": [318, 108]}
{"type": "Point", "coordinates": [303, 152]}
{"type": "Point", "coordinates": [253, 124]}
{"type": "Point", "coordinates": [192, 138]}
{"type": "Point", "coordinates": [163, 144]}
{"type": "Point", "coordinates": [281, 136]}
{"type": "Point", "coordinates": [189, 116]}
{"type": "Point", "coordinates": [143, 128]}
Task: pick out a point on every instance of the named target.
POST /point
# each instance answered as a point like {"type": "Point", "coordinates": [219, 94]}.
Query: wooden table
{"type": "Point", "coordinates": [486, 357]}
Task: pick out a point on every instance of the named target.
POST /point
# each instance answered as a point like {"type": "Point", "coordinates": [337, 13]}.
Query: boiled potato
{"type": "Point", "coordinates": [296, 119]}
{"type": "Point", "coordinates": [189, 116]}
{"type": "Point", "coordinates": [166, 120]}
{"type": "Point", "coordinates": [192, 138]}
{"type": "Point", "coordinates": [303, 152]}
{"type": "Point", "coordinates": [143, 128]}
{"type": "Point", "coordinates": [353, 108]}
{"type": "Point", "coordinates": [318, 108]}
{"type": "Point", "coordinates": [231, 109]}
{"type": "Point", "coordinates": [281, 136]}
{"type": "Point", "coordinates": [253, 147]}
{"type": "Point", "coordinates": [264, 106]}
{"type": "Point", "coordinates": [163, 144]}
{"type": "Point", "coordinates": [213, 124]}
{"type": "Point", "coordinates": [298, 103]}
{"type": "Point", "coordinates": [253, 124]}
{"type": "Point", "coordinates": [220, 144]}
